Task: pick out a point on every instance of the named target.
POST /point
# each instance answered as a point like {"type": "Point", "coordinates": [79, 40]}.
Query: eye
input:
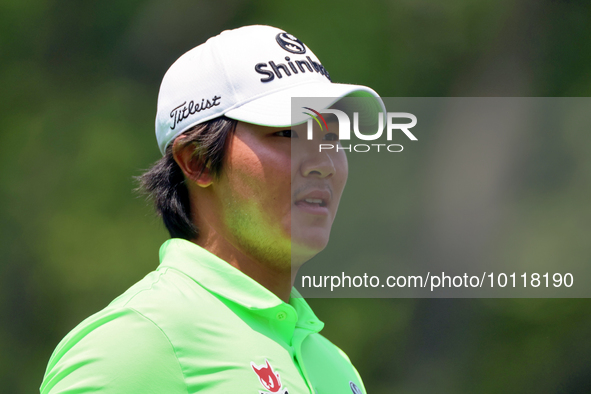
{"type": "Point", "coordinates": [287, 133]}
{"type": "Point", "coordinates": [330, 137]}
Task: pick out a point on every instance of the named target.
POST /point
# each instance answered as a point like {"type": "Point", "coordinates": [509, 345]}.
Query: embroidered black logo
{"type": "Point", "coordinates": [183, 111]}
{"type": "Point", "coordinates": [290, 43]}
{"type": "Point", "coordinates": [303, 66]}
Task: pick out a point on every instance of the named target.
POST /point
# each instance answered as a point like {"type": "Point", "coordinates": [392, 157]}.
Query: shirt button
{"type": "Point", "coordinates": [281, 316]}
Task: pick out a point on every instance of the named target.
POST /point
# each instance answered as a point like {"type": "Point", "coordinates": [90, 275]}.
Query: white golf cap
{"type": "Point", "coordinates": [248, 74]}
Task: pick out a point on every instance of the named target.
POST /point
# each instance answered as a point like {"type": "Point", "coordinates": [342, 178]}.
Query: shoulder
{"type": "Point", "coordinates": [116, 350]}
{"type": "Point", "coordinates": [140, 341]}
{"type": "Point", "coordinates": [130, 344]}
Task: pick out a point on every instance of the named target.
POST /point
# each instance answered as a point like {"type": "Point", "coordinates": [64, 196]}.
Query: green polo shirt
{"type": "Point", "coordinates": [197, 324]}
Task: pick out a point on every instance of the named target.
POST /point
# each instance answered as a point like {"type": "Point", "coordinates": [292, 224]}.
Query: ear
{"type": "Point", "coordinates": [191, 167]}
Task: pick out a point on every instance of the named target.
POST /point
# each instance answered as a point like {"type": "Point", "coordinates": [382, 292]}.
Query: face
{"type": "Point", "coordinates": [317, 183]}
{"type": "Point", "coordinates": [278, 195]}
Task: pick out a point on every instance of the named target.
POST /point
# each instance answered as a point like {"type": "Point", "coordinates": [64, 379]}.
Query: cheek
{"type": "Point", "coordinates": [342, 172]}
{"type": "Point", "coordinates": [259, 173]}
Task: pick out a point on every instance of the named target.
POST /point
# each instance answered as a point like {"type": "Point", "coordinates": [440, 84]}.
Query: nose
{"type": "Point", "coordinates": [318, 165]}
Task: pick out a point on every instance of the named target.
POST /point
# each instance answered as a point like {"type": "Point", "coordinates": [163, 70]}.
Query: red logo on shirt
{"type": "Point", "coordinates": [269, 378]}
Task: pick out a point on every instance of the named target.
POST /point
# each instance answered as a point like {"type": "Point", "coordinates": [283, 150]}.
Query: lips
{"type": "Point", "coordinates": [314, 201]}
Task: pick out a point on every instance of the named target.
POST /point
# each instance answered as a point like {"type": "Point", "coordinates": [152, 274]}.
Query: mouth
{"type": "Point", "coordinates": [314, 201]}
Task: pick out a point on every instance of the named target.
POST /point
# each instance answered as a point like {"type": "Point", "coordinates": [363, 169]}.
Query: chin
{"type": "Point", "coordinates": [306, 246]}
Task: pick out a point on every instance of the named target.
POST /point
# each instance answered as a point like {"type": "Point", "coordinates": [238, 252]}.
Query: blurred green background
{"type": "Point", "coordinates": [79, 83]}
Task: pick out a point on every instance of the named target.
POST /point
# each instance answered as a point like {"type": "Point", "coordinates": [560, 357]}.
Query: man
{"type": "Point", "coordinates": [219, 315]}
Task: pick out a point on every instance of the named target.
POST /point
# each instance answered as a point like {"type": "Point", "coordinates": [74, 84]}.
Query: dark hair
{"type": "Point", "coordinates": [164, 182]}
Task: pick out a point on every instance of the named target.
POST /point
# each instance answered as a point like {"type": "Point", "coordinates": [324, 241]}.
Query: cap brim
{"type": "Point", "coordinates": [274, 110]}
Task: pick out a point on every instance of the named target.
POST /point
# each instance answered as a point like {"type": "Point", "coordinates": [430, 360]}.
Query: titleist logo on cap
{"type": "Point", "coordinates": [183, 111]}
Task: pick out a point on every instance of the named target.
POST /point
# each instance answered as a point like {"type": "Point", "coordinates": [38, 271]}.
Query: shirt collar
{"type": "Point", "coordinates": [223, 280]}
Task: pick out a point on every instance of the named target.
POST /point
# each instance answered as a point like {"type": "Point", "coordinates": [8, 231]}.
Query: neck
{"type": "Point", "coordinates": [277, 278]}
